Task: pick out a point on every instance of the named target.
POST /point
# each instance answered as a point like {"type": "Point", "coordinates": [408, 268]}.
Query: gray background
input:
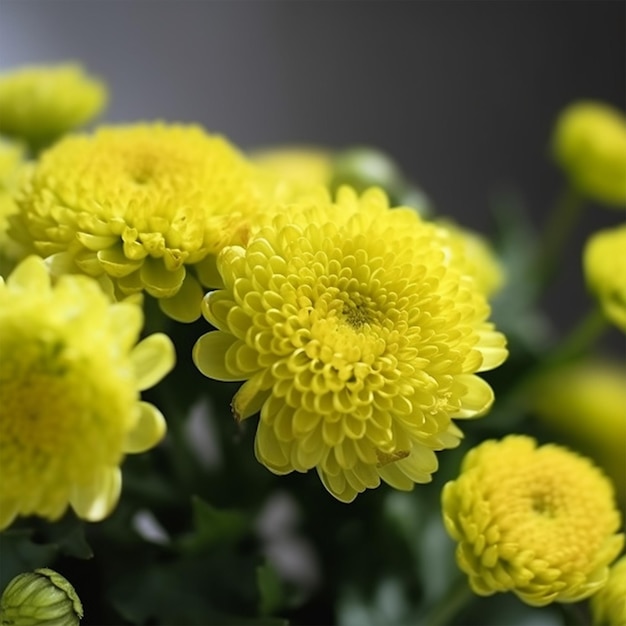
{"type": "Point", "coordinates": [462, 94]}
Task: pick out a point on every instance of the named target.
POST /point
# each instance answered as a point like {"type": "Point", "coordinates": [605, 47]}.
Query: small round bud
{"type": "Point", "coordinates": [589, 143]}
{"type": "Point", "coordinates": [40, 598]}
{"type": "Point", "coordinates": [604, 266]}
{"type": "Point", "coordinates": [363, 167]}
{"type": "Point", "coordinates": [39, 103]}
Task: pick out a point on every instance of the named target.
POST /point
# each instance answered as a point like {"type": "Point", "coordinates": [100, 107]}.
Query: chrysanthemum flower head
{"type": "Point", "coordinates": [585, 403]}
{"type": "Point", "coordinates": [146, 207]}
{"type": "Point", "coordinates": [40, 103]}
{"type": "Point", "coordinates": [608, 606]}
{"type": "Point", "coordinates": [70, 376]}
{"type": "Point", "coordinates": [604, 264]}
{"type": "Point", "coordinates": [538, 521]}
{"type": "Point", "coordinates": [589, 142]}
{"type": "Point", "coordinates": [357, 340]}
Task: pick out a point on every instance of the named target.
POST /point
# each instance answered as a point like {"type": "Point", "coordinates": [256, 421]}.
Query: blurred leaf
{"type": "Point", "coordinates": [171, 594]}
{"type": "Point", "coordinates": [514, 308]}
{"type": "Point", "coordinates": [388, 605]}
{"type": "Point", "coordinates": [20, 554]}
{"type": "Point", "coordinates": [213, 526]}
{"type": "Point", "coordinates": [270, 590]}
{"type": "Point", "coordinates": [68, 535]}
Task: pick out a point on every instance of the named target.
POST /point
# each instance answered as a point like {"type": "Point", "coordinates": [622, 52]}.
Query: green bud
{"type": "Point", "coordinates": [40, 598]}
{"type": "Point", "coordinates": [362, 167]}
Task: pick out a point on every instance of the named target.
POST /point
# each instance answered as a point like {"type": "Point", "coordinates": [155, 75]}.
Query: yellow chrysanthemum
{"type": "Point", "coordinates": [476, 254]}
{"type": "Point", "coordinates": [585, 402]}
{"type": "Point", "coordinates": [604, 264]}
{"type": "Point", "coordinates": [41, 102]}
{"type": "Point", "coordinates": [608, 606]}
{"type": "Point", "coordinates": [70, 377]}
{"type": "Point", "coordinates": [538, 521]}
{"type": "Point", "coordinates": [590, 144]}
{"type": "Point", "coordinates": [357, 339]}
{"type": "Point", "coordinates": [140, 206]}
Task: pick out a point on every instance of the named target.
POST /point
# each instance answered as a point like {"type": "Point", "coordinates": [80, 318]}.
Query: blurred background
{"type": "Point", "coordinates": [462, 94]}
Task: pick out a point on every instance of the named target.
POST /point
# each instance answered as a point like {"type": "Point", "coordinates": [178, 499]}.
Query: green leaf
{"type": "Point", "coordinates": [514, 309]}
{"type": "Point", "coordinates": [270, 590]}
{"type": "Point", "coordinates": [68, 535]}
{"type": "Point", "coordinates": [213, 526]}
{"type": "Point", "coordinates": [20, 554]}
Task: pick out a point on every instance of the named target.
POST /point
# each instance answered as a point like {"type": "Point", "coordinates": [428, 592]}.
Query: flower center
{"type": "Point", "coordinates": [543, 504]}
{"type": "Point", "coordinates": [358, 311]}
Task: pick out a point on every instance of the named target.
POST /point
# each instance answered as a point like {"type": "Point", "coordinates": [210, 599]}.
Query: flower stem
{"type": "Point", "coordinates": [579, 340]}
{"type": "Point", "coordinates": [457, 597]}
{"type": "Point", "coordinates": [584, 334]}
{"type": "Point", "coordinates": [559, 226]}
{"type": "Point", "coordinates": [575, 614]}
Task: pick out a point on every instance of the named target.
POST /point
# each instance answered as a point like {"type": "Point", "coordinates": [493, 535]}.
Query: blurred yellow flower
{"type": "Point", "coordinates": [604, 264]}
{"type": "Point", "coordinates": [589, 142]}
{"type": "Point", "coordinates": [303, 167]}
{"type": "Point", "coordinates": [478, 258]}
{"type": "Point", "coordinates": [358, 342]}
{"type": "Point", "coordinates": [70, 377]}
{"type": "Point", "coordinates": [11, 158]}
{"type": "Point", "coordinates": [146, 207]}
{"type": "Point", "coordinates": [538, 521]}
{"type": "Point", "coordinates": [608, 606]}
{"type": "Point", "coordinates": [40, 598]}
{"type": "Point", "coordinates": [585, 403]}
{"type": "Point", "coordinates": [41, 102]}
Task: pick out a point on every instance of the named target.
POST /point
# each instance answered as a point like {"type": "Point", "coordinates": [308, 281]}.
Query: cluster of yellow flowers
{"type": "Point", "coordinates": [358, 329]}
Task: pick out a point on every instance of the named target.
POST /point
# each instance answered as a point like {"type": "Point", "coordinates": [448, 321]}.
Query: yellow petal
{"type": "Point", "coordinates": [215, 308]}
{"type": "Point", "coordinates": [271, 452]}
{"type": "Point", "coordinates": [148, 430]}
{"type": "Point", "coordinates": [115, 262]}
{"type": "Point", "coordinates": [8, 512]}
{"type": "Point", "coordinates": [478, 398]}
{"type": "Point", "coordinates": [338, 486]}
{"type": "Point", "coordinates": [126, 321]}
{"type": "Point", "coordinates": [158, 281]}
{"type": "Point", "coordinates": [96, 242]}
{"type": "Point", "coordinates": [492, 346]}
{"type": "Point", "coordinates": [208, 273]}
{"type": "Point", "coordinates": [184, 306]}
{"type": "Point", "coordinates": [209, 355]}
{"type": "Point", "coordinates": [249, 398]}
{"type": "Point", "coordinates": [97, 499]}
{"type": "Point", "coordinates": [30, 274]}
{"type": "Point", "coordinates": [152, 359]}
